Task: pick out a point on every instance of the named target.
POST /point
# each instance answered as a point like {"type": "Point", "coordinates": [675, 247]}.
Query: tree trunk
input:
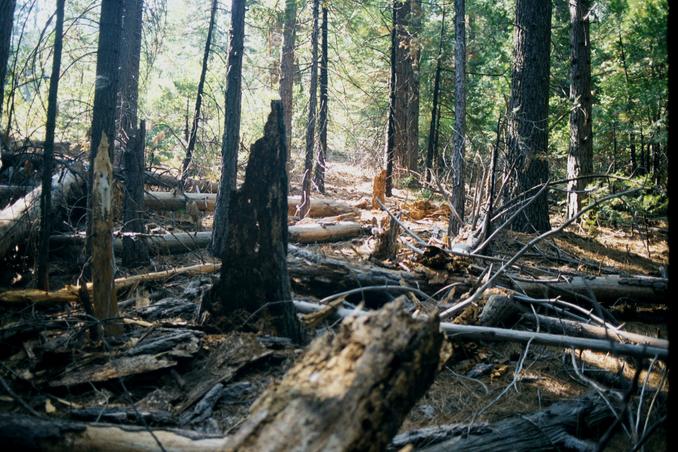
{"type": "Point", "coordinates": [632, 146]}
{"type": "Point", "coordinates": [104, 295]}
{"type": "Point", "coordinates": [458, 183]}
{"type": "Point", "coordinates": [6, 24]}
{"type": "Point", "coordinates": [198, 99]}
{"type": "Point", "coordinates": [406, 109]}
{"type": "Point", "coordinates": [580, 158]}
{"type": "Point", "coordinates": [105, 93]}
{"type": "Point", "coordinates": [135, 252]}
{"type": "Point", "coordinates": [351, 390]}
{"type": "Point", "coordinates": [254, 265]}
{"type": "Point", "coordinates": [529, 107]}
{"type": "Point", "coordinates": [229, 149]}
{"type": "Point", "coordinates": [310, 126]}
{"type": "Point", "coordinates": [287, 71]}
{"type": "Point", "coordinates": [47, 168]}
{"type": "Point", "coordinates": [130, 54]}
{"type": "Point", "coordinates": [389, 148]}
{"type": "Point", "coordinates": [319, 179]}
{"type": "Point", "coordinates": [432, 150]}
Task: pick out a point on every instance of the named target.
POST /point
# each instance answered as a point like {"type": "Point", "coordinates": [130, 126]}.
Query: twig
{"type": "Point", "coordinates": [522, 251]}
{"type": "Point", "coordinates": [18, 399]}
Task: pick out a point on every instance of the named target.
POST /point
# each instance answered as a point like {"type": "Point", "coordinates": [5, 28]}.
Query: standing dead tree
{"type": "Point", "coordinates": [319, 177]}
{"type": "Point", "coordinates": [48, 161]}
{"type": "Point", "coordinates": [287, 70]}
{"type": "Point", "coordinates": [135, 251]}
{"type": "Point", "coordinates": [6, 22]}
{"type": "Point", "coordinates": [389, 148]}
{"type": "Point", "coordinates": [254, 277]}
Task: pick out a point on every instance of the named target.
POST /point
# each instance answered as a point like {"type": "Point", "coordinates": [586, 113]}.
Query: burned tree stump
{"type": "Point", "coordinates": [134, 249]}
{"type": "Point", "coordinates": [352, 389]}
{"type": "Point", "coordinates": [254, 271]}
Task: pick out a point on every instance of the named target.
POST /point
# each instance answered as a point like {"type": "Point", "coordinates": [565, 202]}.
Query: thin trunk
{"type": "Point", "coordinates": [319, 179]}
{"type": "Point", "coordinates": [529, 106]}
{"type": "Point", "coordinates": [310, 127]}
{"type": "Point", "coordinates": [458, 183]}
{"type": "Point", "coordinates": [48, 163]}
{"type": "Point", "coordinates": [198, 99]}
{"type": "Point", "coordinates": [435, 109]}
{"type": "Point", "coordinates": [614, 147]}
{"type": "Point", "coordinates": [632, 146]}
{"type": "Point", "coordinates": [105, 95]}
{"type": "Point", "coordinates": [287, 70]}
{"type": "Point", "coordinates": [6, 24]}
{"type": "Point", "coordinates": [389, 152]}
{"type": "Point", "coordinates": [229, 149]}
{"type": "Point", "coordinates": [629, 104]}
{"type": "Point", "coordinates": [580, 158]}
{"type": "Point", "coordinates": [643, 159]}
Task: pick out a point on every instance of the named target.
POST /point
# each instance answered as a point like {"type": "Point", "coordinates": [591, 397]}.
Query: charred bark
{"type": "Point", "coordinates": [319, 178]}
{"type": "Point", "coordinates": [389, 148]}
{"type": "Point", "coordinates": [48, 161]}
{"type": "Point", "coordinates": [134, 252]}
{"type": "Point", "coordinates": [432, 150]}
{"type": "Point", "coordinates": [254, 269]}
{"type": "Point", "coordinates": [6, 23]}
{"type": "Point", "coordinates": [529, 106]}
{"type": "Point", "coordinates": [198, 99]}
{"type": "Point", "coordinates": [229, 149]}
{"type": "Point", "coordinates": [310, 126]}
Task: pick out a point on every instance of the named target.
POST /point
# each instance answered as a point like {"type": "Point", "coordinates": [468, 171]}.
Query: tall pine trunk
{"type": "Point", "coordinates": [432, 150]}
{"type": "Point", "coordinates": [6, 23]}
{"type": "Point", "coordinates": [458, 184]}
{"type": "Point", "coordinates": [287, 71]}
{"type": "Point", "coordinates": [389, 148]}
{"type": "Point", "coordinates": [305, 205]}
{"type": "Point", "coordinates": [48, 162]}
{"type": "Point", "coordinates": [192, 137]}
{"type": "Point", "coordinates": [528, 108]}
{"type": "Point", "coordinates": [319, 179]}
{"type": "Point", "coordinates": [580, 158]}
{"type": "Point", "coordinates": [229, 149]}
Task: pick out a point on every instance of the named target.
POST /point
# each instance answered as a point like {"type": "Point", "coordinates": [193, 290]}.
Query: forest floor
{"type": "Point", "coordinates": [52, 369]}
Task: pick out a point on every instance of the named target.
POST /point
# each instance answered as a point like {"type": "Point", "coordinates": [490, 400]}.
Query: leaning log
{"type": "Point", "coordinates": [17, 219]}
{"type": "Point", "coordinates": [604, 289]}
{"type": "Point", "coordinates": [351, 390]}
{"type": "Point", "coordinates": [206, 202]}
{"type": "Point", "coordinates": [569, 425]}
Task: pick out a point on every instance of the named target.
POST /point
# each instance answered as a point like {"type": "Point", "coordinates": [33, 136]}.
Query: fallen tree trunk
{"type": "Point", "coordinates": [182, 242]}
{"type": "Point", "coordinates": [169, 181]}
{"type": "Point", "coordinates": [7, 192]}
{"type": "Point", "coordinates": [579, 329]}
{"type": "Point", "coordinates": [32, 433]}
{"type": "Point", "coordinates": [604, 289]}
{"type": "Point", "coordinates": [16, 220]}
{"type": "Point", "coordinates": [206, 202]}
{"type": "Point", "coordinates": [569, 425]}
{"type": "Point", "coordinates": [350, 391]}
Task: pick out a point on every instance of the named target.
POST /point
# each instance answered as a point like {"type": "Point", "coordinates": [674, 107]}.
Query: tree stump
{"type": "Point", "coordinates": [351, 390]}
{"type": "Point", "coordinates": [254, 272]}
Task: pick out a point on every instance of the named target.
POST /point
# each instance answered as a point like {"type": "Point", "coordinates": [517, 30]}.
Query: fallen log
{"type": "Point", "coordinates": [568, 425]}
{"type": "Point", "coordinates": [604, 289]}
{"type": "Point", "coordinates": [16, 220]}
{"type": "Point", "coordinates": [206, 202]}
{"type": "Point", "coordinates": [182, 242]}
{"type": "Point", "coordinates": [579, 329]}
{"type": "Point", "coordinates": [351, 390]}
{"type": "Point", "coordinates": [8, 192]}
{"type": "Point", "coordinates": [33, 433]}
{"type": "Point", "coordinates": [169, 181]}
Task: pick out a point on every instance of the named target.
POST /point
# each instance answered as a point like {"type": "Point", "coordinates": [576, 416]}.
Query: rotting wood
{"type": "Point", "coordinates": [604, 289]}
{"type": "Point", "coordinates": [17, 218]}
{"type": "Point", "coordinates": [104, 298]}
{"type": "Point", "coordinates": [254, 285]}
{"type": "Point", "coordinates": [351, 390]}
{"type": "Point", "coordinates": [571, 425]}
{"type": "Point", "coordinates": [387, 242]}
